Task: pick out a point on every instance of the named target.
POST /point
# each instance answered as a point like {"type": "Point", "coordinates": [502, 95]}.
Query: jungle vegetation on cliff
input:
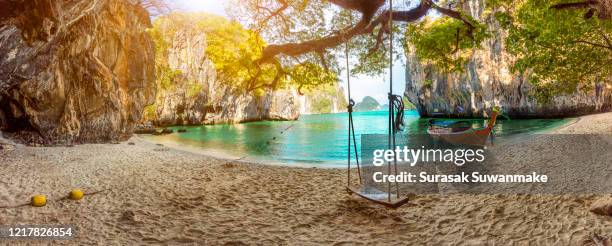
{"type": "Point", "coordinates": [563, 44]}
{"type": "Point", "coordinates": [235, 52]}
{"type": "Point", "coordinates": [563, 48]}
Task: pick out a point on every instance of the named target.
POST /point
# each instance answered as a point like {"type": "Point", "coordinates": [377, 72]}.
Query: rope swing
{"type": "Point", "coordinates": [396, 123]}
{"type": "Point", "coordinates": [351, 126]}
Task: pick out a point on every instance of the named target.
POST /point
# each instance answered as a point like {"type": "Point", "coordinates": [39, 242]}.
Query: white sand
{"type": "Point", "coordinates": [170, 196]}
{"type": "Point", "coordinates": [590, 124]}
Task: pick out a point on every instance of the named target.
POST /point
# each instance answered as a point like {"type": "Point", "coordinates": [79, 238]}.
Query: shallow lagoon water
{"type": "Point", "coordinates": [316, 140]}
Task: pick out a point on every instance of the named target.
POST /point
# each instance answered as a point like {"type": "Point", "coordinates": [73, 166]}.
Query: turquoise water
{"type": "Point", "coordinates": [318, 140]}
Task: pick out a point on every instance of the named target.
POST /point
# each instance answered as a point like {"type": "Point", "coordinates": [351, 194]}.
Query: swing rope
{"type": "Point", "coordinates": [396, 119]}
{"type": "Point", "coordinates": [396, 123]}
{"type": "Point", "coordinates": [351, 126]}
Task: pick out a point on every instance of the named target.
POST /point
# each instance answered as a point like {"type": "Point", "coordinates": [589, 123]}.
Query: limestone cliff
{"type": "Point", "coordinates": [74, 71]}
{"type": "Point", "coordinates": [324, 100]}
{"type": "Point", "coordinates": [189, 92]}
{"type": "Point", "coordinates": [487, 81]}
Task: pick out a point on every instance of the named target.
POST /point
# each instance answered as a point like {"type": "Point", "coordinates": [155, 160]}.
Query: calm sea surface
{"type": "Point", "coordinates": [315, 140]}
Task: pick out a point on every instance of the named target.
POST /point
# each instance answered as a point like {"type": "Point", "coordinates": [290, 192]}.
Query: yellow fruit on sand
{"type": "Point", "coordinates": [39, 200]}
{"type": "Point", "coordinates": [76, 194]}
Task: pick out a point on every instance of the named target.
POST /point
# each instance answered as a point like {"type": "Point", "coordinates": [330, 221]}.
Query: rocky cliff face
{"type": "Point", "coordinates": [74, 71]}
{"type": "Point", "coordinates": [193, 95]}
{"type": "Point", "coordinates": [325, 100]}
{"type": "Point", "coordinates": [487, 81]}
{"type": "Point", "coordinates": [233, 107]}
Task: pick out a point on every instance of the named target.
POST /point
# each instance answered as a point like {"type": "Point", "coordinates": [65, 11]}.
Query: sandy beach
{"type": "Point", "coordinates": [152, 194]}
{"type": "Point", "coordinates": [589, 124]}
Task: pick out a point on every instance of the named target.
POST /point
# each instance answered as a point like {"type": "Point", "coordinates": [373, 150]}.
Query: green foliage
{"type": "Point", "coordinates": [322, 98]}
{"type": "Point", "coordinates": [322, 106]}
{"type": "Point", "coordinates": [194, 89]}
{"type": "Point", "coordinates": [310, 76]}
{"type": "Point", "coordinates": [428, 83]}
{"type": "Point", "coordinates": [232, 49]}
{"type": "Point", "coordinates": [372, 60]}
{"type": "Point", "coordinates": [300, 19]}
{"type": "Point", "coordinates": [561, 50]}
{"type": "Point", "coordinates": [446, 42]}
{"type": "Point", "coordinates": [544, 92]}
{"type": "Point", "coordinates": [166, 76]}
{"type": "Point", "coordinates": [303, 20]}
{"type": "Point", "coordinates": [150, 113]}
{"type": "Point", "coordinates": [407, 103]}
{"type": "Point", "coordinates": [235, 52]}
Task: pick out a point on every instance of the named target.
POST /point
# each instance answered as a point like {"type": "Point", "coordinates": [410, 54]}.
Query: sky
{"type": "Point", "coordinates": [361, 86]}
{"type": "Point", "coordinates": [210, 6]}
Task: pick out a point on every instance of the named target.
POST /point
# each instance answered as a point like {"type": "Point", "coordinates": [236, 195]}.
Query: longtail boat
{"type": "Point", "coordinates": [465, 135]}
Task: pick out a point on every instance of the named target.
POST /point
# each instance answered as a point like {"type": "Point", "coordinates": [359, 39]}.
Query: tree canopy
{"type": "Point", "coordinates": [562, 46]}
{"type": "Point", "coordinates": [317, 30]}
{"type": "Point", "coordinates": [234, 52]}
{"type": "Point", "coordinates": [561, 43]}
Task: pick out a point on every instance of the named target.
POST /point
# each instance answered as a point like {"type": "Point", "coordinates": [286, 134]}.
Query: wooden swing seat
{"type": "Point", "coordinates": [377, 196]}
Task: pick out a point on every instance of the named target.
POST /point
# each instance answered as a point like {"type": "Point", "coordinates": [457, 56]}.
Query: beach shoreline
{"type": "Point", "coordinates": [159, 194]}
{"type": "Point", "coordinates": [177, 142]}
{"type": "Point", "coordinates": [589, 124]}
{"type": "Point", "coordinates": [225, 156]}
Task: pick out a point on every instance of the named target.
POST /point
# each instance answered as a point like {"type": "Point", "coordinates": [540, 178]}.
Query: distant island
{"type": "Point", "coordinates": [367, 104]}
{"type": "Point", "coordinates": [370, 104]}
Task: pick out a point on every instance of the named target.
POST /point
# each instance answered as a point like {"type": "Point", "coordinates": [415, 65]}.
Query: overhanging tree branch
{"type": "Point", "coordinates": [457, 15]}
{"type": "Point", "coordinates": [594, 44]}
{"type": "Point", "coordinates": [366, 7]}
{"type": "Point", "coordinates": [366, 25]}
{"type": "Point", "coordinates": [273, 14]}
{"type": "Point", "coordinates": [575, 5]}
{"type": "Point", "coordinates": [603, 8]}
